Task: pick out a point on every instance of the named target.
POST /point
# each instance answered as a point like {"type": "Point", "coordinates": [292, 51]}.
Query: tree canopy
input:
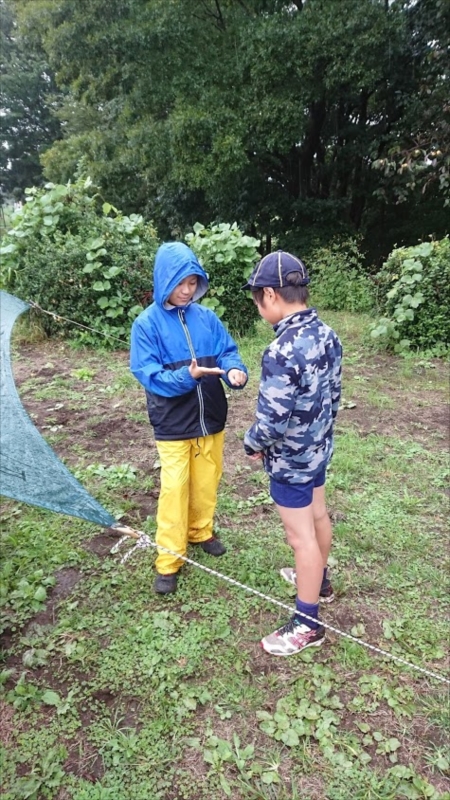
{"type": "Point", "coordinates": [270, 113]}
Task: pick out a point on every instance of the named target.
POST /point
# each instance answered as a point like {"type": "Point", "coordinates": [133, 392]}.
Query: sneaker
{"type": "Point", "coordinates": [293, 638]}
{"type": "Point", "coordinates": [165, 584]}
{"type": "Point", "coordinates": [213, 546]}
{"type": "Point", "coordinates": [326, 594]}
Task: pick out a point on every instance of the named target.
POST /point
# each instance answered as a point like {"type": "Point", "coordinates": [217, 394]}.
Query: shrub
{"type": "Point", "coordinates": [228, 256]}
{"type": "Point", "coordinates": [81, 259]}
{"type": "Point", "coordinates": [415, 282]}
{"type": "Point", "coordinates": [338, 282]}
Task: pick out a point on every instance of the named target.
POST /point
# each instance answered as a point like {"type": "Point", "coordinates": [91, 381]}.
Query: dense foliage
{"type": "Point", "coordinates": [338, 281]}
{"type": "Point", "coordinates": [269, 113]}
{"type": "Point", "coordinates": [228, 257]}
{"type": "Point", "coordinates": [416, 284]}
{"type": "Point", "coordinates": [79, 257]}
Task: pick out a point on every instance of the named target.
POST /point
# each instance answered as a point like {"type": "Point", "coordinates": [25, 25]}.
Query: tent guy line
{"type": "Point", "coordinates": [144, 541]}
{"type": "Point", "coordinates": [59, 318]}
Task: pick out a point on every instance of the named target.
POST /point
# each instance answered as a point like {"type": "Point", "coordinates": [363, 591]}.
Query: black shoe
{"type": "Point", "coordinates": [165, 584]}
{"type": "Point", "coordinates": [214, 547]}
{"type": "Point", "coordinates": [326, 590]}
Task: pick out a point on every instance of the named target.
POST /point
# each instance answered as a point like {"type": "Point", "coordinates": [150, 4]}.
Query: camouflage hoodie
{"type": "Point", "coordinates": [298, 399]}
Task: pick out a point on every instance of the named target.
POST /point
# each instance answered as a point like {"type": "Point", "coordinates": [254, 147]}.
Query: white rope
{"type": "Point", "coordinates": [144, 541]}
{"type": "Point", "coordinates": [58, 318]}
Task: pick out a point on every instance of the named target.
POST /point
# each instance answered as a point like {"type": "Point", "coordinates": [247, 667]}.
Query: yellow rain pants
{"type": "Point", "coordinates": [190, 473]}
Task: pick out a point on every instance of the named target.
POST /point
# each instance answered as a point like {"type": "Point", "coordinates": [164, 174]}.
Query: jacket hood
{"type": "Point", "coordinates": [173, 263]}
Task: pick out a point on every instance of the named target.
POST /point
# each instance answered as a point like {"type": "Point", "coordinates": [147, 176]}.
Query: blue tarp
{"type": "Point", "coordinates": [29, 469]}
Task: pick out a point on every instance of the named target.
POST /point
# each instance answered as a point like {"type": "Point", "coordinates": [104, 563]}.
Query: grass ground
{"type": "Point", "coordinates": [113, 693]}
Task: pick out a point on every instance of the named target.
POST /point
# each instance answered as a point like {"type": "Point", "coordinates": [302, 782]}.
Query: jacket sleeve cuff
{"type": "Point", "coordinates": [188, 380]}
{"type": "Point", "coordinates": [249, 450]}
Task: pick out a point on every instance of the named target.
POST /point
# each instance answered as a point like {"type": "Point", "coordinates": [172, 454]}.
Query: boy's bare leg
{"type": "Point", "coordinates": [322, 523]}
{"type": "Point", "coordinates": [304, 628]}
{"type": "Point", "coordinates": [299, 525]}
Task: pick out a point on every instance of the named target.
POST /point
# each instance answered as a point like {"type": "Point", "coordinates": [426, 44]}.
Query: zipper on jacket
{"type": "Point", "coordinates": [182, 319]}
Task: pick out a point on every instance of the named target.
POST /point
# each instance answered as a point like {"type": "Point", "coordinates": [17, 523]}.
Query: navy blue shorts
{"type": "Point", "coordinates": [295, 495]}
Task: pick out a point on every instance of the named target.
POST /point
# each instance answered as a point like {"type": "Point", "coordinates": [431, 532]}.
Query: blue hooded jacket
{"type": "Point", "coordinates": [165, 339]}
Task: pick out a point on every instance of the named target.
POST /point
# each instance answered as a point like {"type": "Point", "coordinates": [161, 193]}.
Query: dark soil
{"type": "Point", "coordinates": [110, 436]}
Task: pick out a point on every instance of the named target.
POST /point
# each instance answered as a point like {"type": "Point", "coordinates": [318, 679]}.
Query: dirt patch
{"type": "Point", "coordinates": [111, 424]}
{"type": "Point", "coordinates": [420, 413]}
{"type": "Point", "coordinates": [429, 426]}
{"type": "Point", "coordinates": [10, 726]}
{"type": "Point", "coordinates": [66, 579]}
{"type": "Point", "coordinates": [101, 545]}
{"type": "Point", "coordinates": [83, 760]}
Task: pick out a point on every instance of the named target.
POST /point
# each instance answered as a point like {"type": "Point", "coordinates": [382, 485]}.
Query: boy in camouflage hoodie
{"type": "Point", "coordinates": [293, 435]}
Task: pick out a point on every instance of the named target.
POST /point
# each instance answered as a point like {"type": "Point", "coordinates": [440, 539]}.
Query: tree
{"type": "Point", "coordinates": [29, 125]}
{"type": "Point", "coordinates": [266, 112]}
{"type": "Point", "coordinates": [417, 152]}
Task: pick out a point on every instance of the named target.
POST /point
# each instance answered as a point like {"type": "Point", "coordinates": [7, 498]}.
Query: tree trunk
{"type": "Point", "coordinates": [310, 147]}
{"type": "Point", "coordinates": [358, 194]}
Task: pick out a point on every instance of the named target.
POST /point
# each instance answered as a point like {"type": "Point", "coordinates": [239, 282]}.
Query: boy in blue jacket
{"type": "Point", "coordinates": [293, 435]}
{"type": "Point", "coordinates": [180, 351]}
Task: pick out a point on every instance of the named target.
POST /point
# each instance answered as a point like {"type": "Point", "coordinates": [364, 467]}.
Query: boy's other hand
{"type": "Point", "coordinates": [197, 372]}
{"type": "Point", "coordinates": [237, 377]}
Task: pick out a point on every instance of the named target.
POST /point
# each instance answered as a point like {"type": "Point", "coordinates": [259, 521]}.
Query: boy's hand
{"type": "Point", "coordinates": [197, 372]}
{"type": "Point", "coordinates": [256, 456]}
{"type": "Point", "coordinates": [237, 377]}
